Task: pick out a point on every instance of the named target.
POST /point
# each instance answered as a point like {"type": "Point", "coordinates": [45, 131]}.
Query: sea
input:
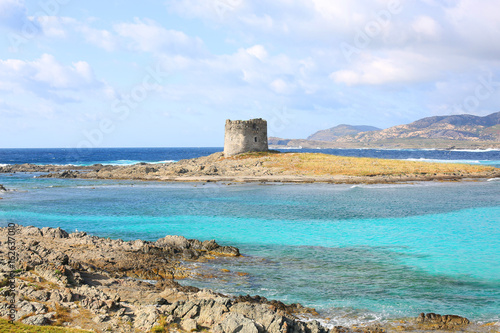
{"type": "Point", "coordinates": [356, 253]}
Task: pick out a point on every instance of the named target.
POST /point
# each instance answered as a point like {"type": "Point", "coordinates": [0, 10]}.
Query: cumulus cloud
{"type": "Point", "coordinates": [396, 67]}
{"type": "Point", "coordinates": [148, 36]}
{"type": "Point", "coordinates": [476, 25]}
{"type": "Point", "coordinates": [99, 37]}
{"type": "Point", "coordinates": [402, 67]}
{"type": "Point", "coordinates": [56, 26]}
{"type": "Point", "coordinates": [258, 51]}
{"type": "Point", "coordinates": [215, 10]}
{"type": "Point", "coordinates": [427, 27]}
{"type": "Point", "coordinates": [46, 76]}
{"type": "Point", "coordinates": [141, 35]}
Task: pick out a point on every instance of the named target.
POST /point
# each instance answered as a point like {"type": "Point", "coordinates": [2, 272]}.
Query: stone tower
{"type": "Point", "coordinates": [245, 135]}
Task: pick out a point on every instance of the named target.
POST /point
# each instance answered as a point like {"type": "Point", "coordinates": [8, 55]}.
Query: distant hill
{"type": "Point", "coordinates": [461, 131]}
{"type": "Point", "coordinates": [339, 131]}
{"type": "Point", "coordinates": [456, 127]}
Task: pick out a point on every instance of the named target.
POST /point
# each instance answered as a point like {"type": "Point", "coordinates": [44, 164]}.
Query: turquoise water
{"type": "Point", "coordinates": [356, 253]}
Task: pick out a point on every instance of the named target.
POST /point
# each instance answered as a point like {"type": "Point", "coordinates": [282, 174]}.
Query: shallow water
{"type": "Point", "coordinates": [356, 253]}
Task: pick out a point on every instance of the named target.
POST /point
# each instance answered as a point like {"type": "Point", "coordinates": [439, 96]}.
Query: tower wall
{"type": "Point", "coordinates": [243, 136]}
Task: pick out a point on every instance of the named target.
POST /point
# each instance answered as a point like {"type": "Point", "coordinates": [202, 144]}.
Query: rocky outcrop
{"type": "Point", "coordinates": [225, 315]}
{"type": "Point", "coordinates": [136, 259]}
{"type": "Point", "coordinates": [436, 321]}
{"type": "Point", "coordinates": [81, 280]}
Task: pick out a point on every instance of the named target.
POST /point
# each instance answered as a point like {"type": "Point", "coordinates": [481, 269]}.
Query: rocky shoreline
{"type": "Point", "coordinates": [101, 284]}
{"type": "Point", "coordinates": [258, 168]}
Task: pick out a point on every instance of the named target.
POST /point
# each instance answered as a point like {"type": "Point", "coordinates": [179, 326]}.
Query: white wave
{"type": "Point", "coordinates": [384, 186]}
{"type": "Point", "coordinates": [430, 160]}
{"type": "Point", "coordinates": [490, 324]}
{"type": "Point", "coordinates": [132, 162]}
{"type": "Point", "coordinates": [2, 165]}
{"type": "Point", "coordinates": [493, 179]}
{"type": "Point", "coordinates": [347, 318]}
{"type": "Point", "coordinates": [162, 162]}
{"type": "Point", "coordinates": [476, 150]}
{"type": "Point", "coordinates": [116, 162]}
{"type": "Point", "coordinates": [121, 162]}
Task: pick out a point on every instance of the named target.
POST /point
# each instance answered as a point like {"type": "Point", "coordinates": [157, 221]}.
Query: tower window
{"type": "Point", "coordinates": [255, 139]}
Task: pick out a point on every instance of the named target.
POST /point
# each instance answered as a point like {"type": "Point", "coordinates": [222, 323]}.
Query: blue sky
{"type": "Point", "coordinates": [168, 73]}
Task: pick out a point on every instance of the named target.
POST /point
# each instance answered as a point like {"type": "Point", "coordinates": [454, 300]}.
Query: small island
{"type": "Point", "coordinates": [246, 158]}
{"type": "Point", "coordinates": [273, 167]}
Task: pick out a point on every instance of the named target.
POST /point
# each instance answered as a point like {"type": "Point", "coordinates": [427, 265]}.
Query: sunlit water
{"type": "Point", "coordinates": [356, 253]}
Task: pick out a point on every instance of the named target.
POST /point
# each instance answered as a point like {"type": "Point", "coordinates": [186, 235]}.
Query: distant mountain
{"type": "Point", "coordinates": [274, 141]}
{"type": "Point", "coordinates": [339, 131]}
{"type": "Point", "coordinates": [464, 131]}
{"type": "Point", "coordinates": [455, 127]}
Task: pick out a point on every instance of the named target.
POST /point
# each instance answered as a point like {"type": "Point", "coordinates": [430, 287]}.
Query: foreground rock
{"type": "Point", "coordinates": [75, 279]}
{"type": "Point", "coordinates": [79, 280]}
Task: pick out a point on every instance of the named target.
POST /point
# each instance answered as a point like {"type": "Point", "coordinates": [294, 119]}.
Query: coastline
{"type": "Point", "coordinates": [79, 280]}
{"type": "Point", "coordinates": [270, 168]}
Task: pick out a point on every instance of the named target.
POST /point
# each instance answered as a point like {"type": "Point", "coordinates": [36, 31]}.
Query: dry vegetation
{"type": "Point", "coordinates": [315, 164]}
{"type": "Point", "coordinates": [5, 326]}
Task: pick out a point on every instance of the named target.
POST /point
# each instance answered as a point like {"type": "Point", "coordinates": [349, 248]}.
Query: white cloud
{"type": "Point", "coordinates": [56, 26]}
{"type": "Point", "coordinates": [99, 37]}
{"type": "Point", "coordinates": [281, 87]}
{"type": "Point", "coordinates": [258, 51]}
{"type": "Point", "coordinates": [56, 75]}
{"type": "Point", "coordinates": [64, 28]}
{"type": "Point", "coordinates": [427, 27]}
{"type": "Point", "coordinates": [264, 22]}
{"type": "Point", "coordinates": [395, 67]}
{"type": "Point", "coordinates": [216, 10]}
{"type": "Point", "coordinates": [46, 76]}
{"type": "Point", "coordinates": [477, 25]}
{"type": "Point", "coordinates": [148, 36]}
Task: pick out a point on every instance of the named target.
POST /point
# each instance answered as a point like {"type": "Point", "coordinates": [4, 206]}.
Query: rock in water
{"type": "Point", "coordinates": [439, 321]}
{"type": "Point", "coordinates": [2, 188]}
